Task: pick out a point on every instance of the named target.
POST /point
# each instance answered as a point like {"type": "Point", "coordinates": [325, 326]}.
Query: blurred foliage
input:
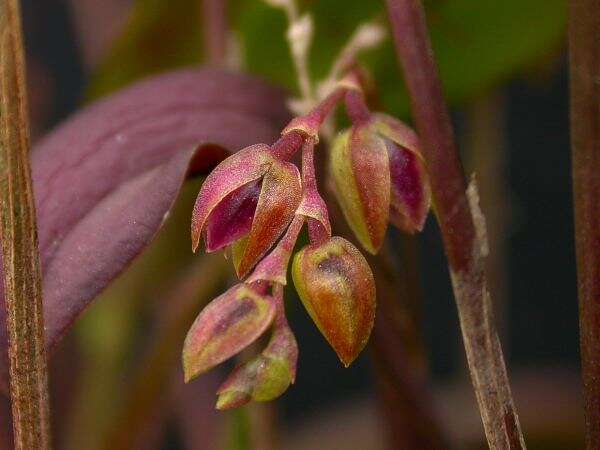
{"type": "Point", "coordinates": [114, 331]}
{"type": "Point", "coordinates": [477, 43]}
{"type": "Point", "coordinates": [159, 35]}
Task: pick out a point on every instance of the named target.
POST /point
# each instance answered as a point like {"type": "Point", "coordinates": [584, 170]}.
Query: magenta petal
{"type": "Point", "coordinates": [410, 196]}
{"type": "Point", "coordinates": [245, 166]}
{"type": "Point", "coordinates": [232, 218]}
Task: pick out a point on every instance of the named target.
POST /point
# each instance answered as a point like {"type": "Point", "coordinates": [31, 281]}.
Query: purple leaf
{"type": "Point", "coordinates": [106, 179]}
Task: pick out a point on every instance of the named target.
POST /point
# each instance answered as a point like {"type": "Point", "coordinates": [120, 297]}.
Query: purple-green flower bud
{"type": "Point", "coordinates": [269, 374]}
{"type": "Point", "coordinates": [410, 190]}
{"type": "Point", "coordinates": [247, 202]}
{"type": "Point", "coordinates": [280, 195]}
{"type": "Point", "coordinates": [336, 286]}
{"type": "Point", "coordinates": [226, 326]}
{"type": "Point", "coordinates": [361, 172]}
{"type": "Point", "coordinates": [260, 379]}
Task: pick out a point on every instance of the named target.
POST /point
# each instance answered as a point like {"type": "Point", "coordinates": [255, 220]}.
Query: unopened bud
{"type": "Point", "coordinates": [226, 326]}
{"type": "Point", "coordinates": [336, 285]}
{"type": "Point", "coordinates": [361, 172]}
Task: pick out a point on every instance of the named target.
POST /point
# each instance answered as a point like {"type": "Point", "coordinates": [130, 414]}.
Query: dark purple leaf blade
{"type": "Point", "coordinates": [106, 179]}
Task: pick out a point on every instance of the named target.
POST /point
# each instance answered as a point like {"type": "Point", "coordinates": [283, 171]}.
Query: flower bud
{"type": "Point", "coordinates": [261, 379]}
{"type": "Point", "coordinates": [266, 376]}
{"type": "Point", "coordinates": [279, 197]}
{"type": "Point", "coordinates": [247, 201]}
{"type": "Point", "coordinates": [360, 168]}
{"type": "Point", "coordinates": [228, 197]}
{"type": "Point", "coordinates": [225, 326]}
{"type": "Point", "coordinates": [336, 286]}
{"type": "Point", "coordinates": [410, 189]}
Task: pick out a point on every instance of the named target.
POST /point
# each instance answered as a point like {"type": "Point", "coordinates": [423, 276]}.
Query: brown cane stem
{"type": "Point", "coordinates": [584, 50]}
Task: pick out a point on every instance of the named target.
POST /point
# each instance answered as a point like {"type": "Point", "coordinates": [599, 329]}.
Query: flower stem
{"type": "Point", "coordinates": [322, 110]}
{"type": "Point", "coordinates": [462, 240]}
{"type": "Point", "coordinates": [22, 276]}
{"type": "Point", "coordinates": [291, 236]}
{"type": "Point", "coordinates": [584, 54]}
{"type": "Point", "coordinates": [316, 232]}
{"type": "Point", "coordinates": [357, 109]}
{"type": "Point", "coordinates": [287, 145]}
{"type": "Point", "coordinates": [310, 123]}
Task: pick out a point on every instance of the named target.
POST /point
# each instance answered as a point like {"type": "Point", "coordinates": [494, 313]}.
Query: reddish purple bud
{"type": "Point", "coordinates": [361, 172]}
{"type": "Point", "coordinates": [410, 189]}
{"type": "Point", "coordinates": [225, 326]}
{"type": "Point", "coordinates": [279, 197]}
{"type": "Point", "coordinates": [266, 376]}
{"type": "Point", "coordinates": [228, 193]}
{"type": "Point", "coordinates": [232, 218]}
{"type": "Point", "coordinates": [336, 285]}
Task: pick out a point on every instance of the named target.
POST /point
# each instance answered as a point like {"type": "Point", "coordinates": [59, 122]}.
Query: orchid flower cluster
{"type": "Point", "coordinates": [254, 205]}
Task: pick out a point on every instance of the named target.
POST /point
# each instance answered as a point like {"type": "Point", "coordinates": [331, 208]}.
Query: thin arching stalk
{"type": "Point", "coordinates": [22, 276]}
{"type": "Point", "coordinates": [584, 49]}
{"type": "Point", "coordinates": [461, 224]}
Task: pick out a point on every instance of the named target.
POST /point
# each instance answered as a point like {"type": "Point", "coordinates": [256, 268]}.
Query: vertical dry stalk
{"type": "Point", "coordinates": [485, 145]}
{"type": "Point", "coordinates": [22, 277]}
{"type": "Point", "coordinates": [461, 224]}
{"type": "Point", "coordinates": [584, 50]}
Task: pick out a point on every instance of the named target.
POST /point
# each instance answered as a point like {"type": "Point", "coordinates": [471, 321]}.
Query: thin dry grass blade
{"type": "Point", "coordinates": [22, 276]}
